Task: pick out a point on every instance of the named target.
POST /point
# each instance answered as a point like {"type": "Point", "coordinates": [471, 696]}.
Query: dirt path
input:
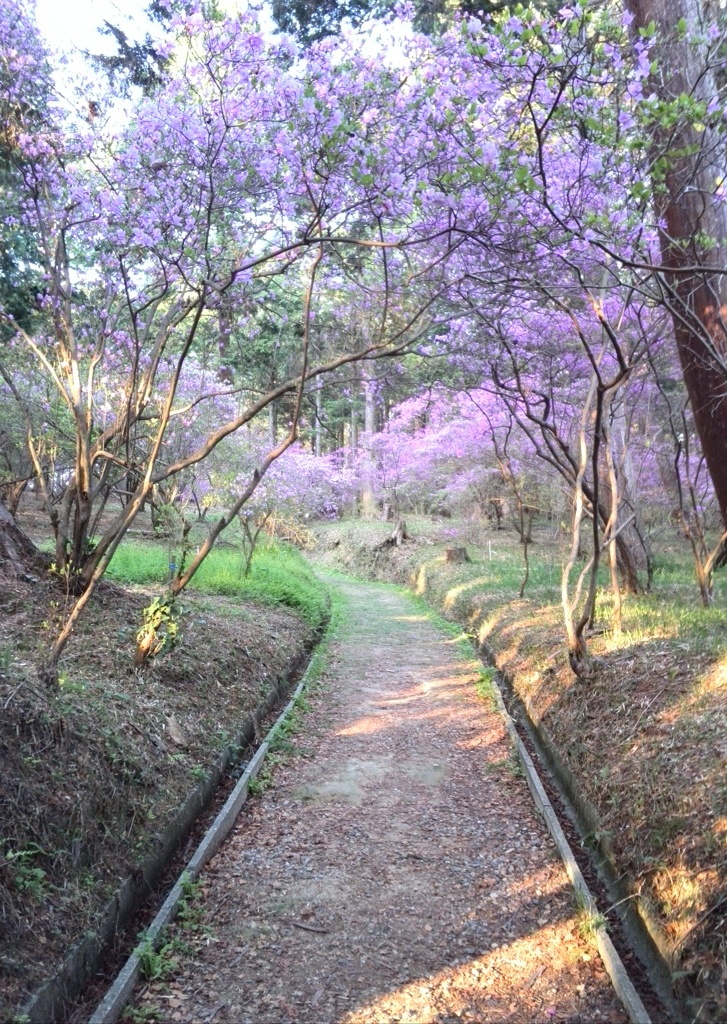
{"type": "Point", "coordinates": [395, 869]}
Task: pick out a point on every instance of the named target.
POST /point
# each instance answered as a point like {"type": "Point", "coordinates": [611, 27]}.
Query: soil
{"type": "Point", "coordinates": [394, 869]}
{"type": "Point", "coordinates": [93, 773]}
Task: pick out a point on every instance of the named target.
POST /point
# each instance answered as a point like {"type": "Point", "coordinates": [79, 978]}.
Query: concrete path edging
{"type": "Point", "coordinates": [618, 974]}
{"type": "Point", "coordinates": [110, 1008]}
{"type": "Point", "coordinates": [112, 1005]}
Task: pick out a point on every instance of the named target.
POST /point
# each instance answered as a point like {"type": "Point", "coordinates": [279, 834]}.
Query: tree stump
{"type": "Point", "coordinates": [454, 555]}
{"type": "Point", "coordinates": [397, 537]}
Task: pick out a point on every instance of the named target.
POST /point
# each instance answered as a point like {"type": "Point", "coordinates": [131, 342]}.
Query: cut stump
{"type": "Point", "coordinates": [453, 555]}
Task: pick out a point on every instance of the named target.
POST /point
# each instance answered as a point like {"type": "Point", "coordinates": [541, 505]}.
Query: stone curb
{"type": "Point", "coordinates": [644, 933]}
{"type": "Point", "coordinates": [620, 979]}
{"type": "Point", "coordinates": [111, 1006]}
{"type": "Point", "coordinates": [51, 1000]}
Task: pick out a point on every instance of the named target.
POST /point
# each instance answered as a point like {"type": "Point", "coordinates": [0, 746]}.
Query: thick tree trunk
{"type": "Point", "coordinates": [18, 554]}
{"type": "Point", "coordinates": [453, 555]}
{"type": "Point", "coordinates": [398, 537]}
{"type": "Point", "coordinates": [694, 228]}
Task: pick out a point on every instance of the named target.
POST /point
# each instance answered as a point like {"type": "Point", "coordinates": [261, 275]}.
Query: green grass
{"type": "Point", "coordinates": [279, 576]}
{"type": "Point", "coordinates": [485, 687]}
{"type": "Point", "coordinates": [673, 607]}
{"type": "Point", "coordinates": [462, 639]}
{"type": "Point", "coordinates": [642, 737]}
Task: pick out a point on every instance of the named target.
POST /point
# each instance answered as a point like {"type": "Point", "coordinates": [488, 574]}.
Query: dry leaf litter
{"type": "Point", "coordinates": [395, 870]}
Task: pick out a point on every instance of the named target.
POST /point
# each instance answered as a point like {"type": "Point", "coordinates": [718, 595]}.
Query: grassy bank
{"type": "Point", "coordinates": [647, 738]}
{"type": "Point", "coordinates": [279, 575]}
{"type": "Point", "coordinates": [94, 772]}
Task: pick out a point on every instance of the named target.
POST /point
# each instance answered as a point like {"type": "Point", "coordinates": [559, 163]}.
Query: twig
{"type": "Point", "coordinates": [305, 927]}
{"type": "Point", "coordinates": [626, 899]}
{"type": "Point", "coordinates": [41, 696]}
{"type": "Point", "coordinates": [702, 919]}
{"type": "Point", "coordinates": [5, 705]}
{"type": "Point", "coordinates": [535, 975]}
{"type": "Point", "coordinates": [638, 720]}
{"type": "Point", "coordinates": [219, 903]}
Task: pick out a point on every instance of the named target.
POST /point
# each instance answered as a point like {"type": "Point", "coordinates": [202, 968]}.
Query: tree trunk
{"type": "Point", "coordinates": [11, 494]}
{"type": "Point", "coordinates": [454, 555]}
{"type": "Point", "coordinates": [368, 500]}
{"type": "Point", "coordinates": [318, 430]}
{"type": "Point", "coordinates": [694, 226]}
{"type": "Point", "coordinates": [399, 535]}
{"type": "Point", "coordinates": [18, 554]}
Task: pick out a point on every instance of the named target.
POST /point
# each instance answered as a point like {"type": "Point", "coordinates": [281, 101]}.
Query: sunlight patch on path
{"type": "Point", "coordinates": [396, 870]}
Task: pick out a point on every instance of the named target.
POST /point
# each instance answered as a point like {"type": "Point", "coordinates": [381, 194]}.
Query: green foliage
{"type": "Point", "coordinates": [260, 783]}
{"type": "Point", "coordinates": [160, 626]}
{"type": "Point", "coordinates": [159, 961]}
{"type": "Point", "coordinates": [311, 20]}
{"type": "Point", "coordinates": [135, 63]}
{"type": "Point", "coordinates": [510, 764]}
{"type": "Point", "coordinates": [68, 685]}
{"type": "Point", "coordinates": [142, 1014]}
{"type": "Point", "coordinates": [27, 877]}
{"type": "Point", "coordinates": [279, 576]}
{"type": "Point", "coordinates": [589, 920]}
{"type": "Point", "coordinates": [485, 687]}
{"type": "Point", "coordinates": [6, 658]}
{"type": "Point", "coordinates": [190, 912]}
{"type": "Point", "coordinates": [156, 965]}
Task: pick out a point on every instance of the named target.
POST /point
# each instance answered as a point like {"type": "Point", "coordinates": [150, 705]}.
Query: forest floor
{"type": "Point", "coordinates": [646, 738]}
{"type": "Point", "coordinates": [393, 868]}
{"type": "Point", "coordinates": [93, 772]}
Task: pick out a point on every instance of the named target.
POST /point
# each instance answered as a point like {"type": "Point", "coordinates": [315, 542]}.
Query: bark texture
{"type": "Point", "coordinates": [18, 554]}
{"type": "Point", "coordinates": [694, 226]}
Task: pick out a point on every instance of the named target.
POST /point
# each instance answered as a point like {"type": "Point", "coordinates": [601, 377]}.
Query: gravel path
{"type": "Point", "coordinates": [395, 869]}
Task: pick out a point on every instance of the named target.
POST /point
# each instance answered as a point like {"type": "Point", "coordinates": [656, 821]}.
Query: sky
{"type": "Point", "coordinates": [74, 24]}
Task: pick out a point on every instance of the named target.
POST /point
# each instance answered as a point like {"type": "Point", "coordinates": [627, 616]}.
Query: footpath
{"type": "Point", "coordinates": [394, 870]}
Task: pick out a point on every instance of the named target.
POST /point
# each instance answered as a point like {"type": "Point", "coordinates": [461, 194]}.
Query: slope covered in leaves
{"type": "Point", "coordinates": [95, 771]}
{"type": "Point", "coordinates": [646, 738]}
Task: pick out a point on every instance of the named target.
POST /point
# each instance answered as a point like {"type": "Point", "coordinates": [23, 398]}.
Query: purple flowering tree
{"type": "Point", "coordinates": [243, 165]}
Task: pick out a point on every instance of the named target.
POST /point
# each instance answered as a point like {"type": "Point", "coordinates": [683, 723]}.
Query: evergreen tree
{"type": "Point", "coordinates": [310, 20]}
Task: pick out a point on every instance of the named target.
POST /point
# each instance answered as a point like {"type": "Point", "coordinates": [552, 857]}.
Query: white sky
{"type": "Point", "coordinates": [73, 24]}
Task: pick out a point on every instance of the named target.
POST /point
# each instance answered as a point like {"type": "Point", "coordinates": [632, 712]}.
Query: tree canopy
{"type": "Point", "coordinates": [425, 262]}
